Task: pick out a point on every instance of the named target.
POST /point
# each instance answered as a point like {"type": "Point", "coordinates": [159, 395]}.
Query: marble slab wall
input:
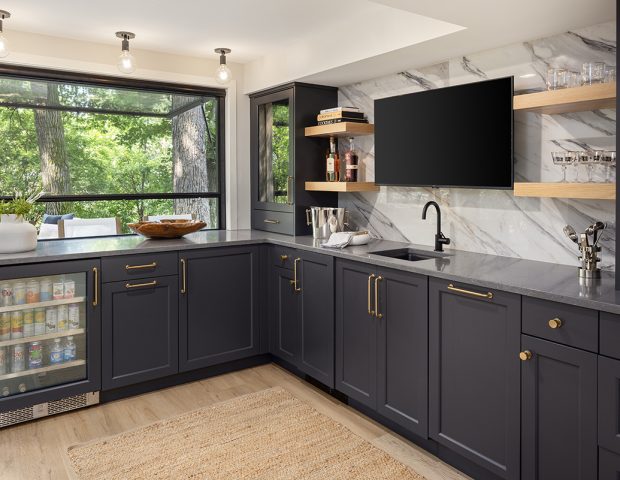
{"type": "Point", "coordinates": [495, 221]}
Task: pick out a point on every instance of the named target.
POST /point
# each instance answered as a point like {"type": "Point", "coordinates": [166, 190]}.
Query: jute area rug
{"type": "Point", "coordinates": [265, 435]}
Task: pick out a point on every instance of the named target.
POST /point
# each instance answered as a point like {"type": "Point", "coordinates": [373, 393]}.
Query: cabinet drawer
{"type": "Point", "coordinates": [270, 221]}
{"type": "Point", "coordinates": [566, 324]}
{"type": "Point", "coordinates": [283, 257]}
{"type": "Point", "coordinates": [610, 335]}
{"type": "Point", "coordinates": [126, 267]}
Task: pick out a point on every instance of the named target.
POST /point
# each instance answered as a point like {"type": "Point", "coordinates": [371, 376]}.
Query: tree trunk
{"type": "Point", "coordinates": [190, 173]}
{"type": "Point", "coordinates": [52, 151]}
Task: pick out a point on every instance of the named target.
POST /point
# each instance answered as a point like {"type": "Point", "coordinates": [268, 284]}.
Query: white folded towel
{"type": "Point", "coordinates": [338, 240]}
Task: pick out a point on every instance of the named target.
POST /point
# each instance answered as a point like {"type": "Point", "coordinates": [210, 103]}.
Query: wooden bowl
{"type": "Point", "coordinates": [166, 228]}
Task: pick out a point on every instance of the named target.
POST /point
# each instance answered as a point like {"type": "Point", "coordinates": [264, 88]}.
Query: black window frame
{"type": "Point", "coordinates": [129, 83]}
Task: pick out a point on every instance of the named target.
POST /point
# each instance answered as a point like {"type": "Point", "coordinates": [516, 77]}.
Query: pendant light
{"type": "Point", "coordinates": [126, 61]}
{"type": "Point", "coordinates": [223, 73]}
{"type": "Point", "coordinates": [4, 45]}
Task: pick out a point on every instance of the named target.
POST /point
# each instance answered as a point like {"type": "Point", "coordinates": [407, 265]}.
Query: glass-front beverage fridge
{"type": "Point", "coordinates": [50, 331]}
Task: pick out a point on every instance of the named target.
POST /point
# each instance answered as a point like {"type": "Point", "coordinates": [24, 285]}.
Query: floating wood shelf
{"type": "Point", "coordinates": [38, 371]}
{"type": "Point", "coordinates": [341, 187]}
{"type": "Point", "coordinates": [345, 129]}
{"type": "Point", "coordinates": [50, 303]}
{"type": "Point", "coordinates": [592, 191]}
{"type": "Point", "coordinates": [40, 338]}
{"type": "Point", "coordinates": [578, 99]}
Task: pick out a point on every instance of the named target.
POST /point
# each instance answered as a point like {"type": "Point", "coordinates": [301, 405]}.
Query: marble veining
{"type": "Point", "coordinates": [495, 221]}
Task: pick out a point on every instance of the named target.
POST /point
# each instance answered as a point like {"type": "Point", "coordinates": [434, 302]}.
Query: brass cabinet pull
{"type": "Point", "coordinates": [96, 286]}
{"type": "Point", "coordinates": [268, 220]}
{"type": "Point", "coordinates": [183, 276]}
{"type": "Point", "coordinates": [289, 188]}
{"type": "Point", "coordinates": [370, 310]}
{"type": "Point", "coordinates": [488, 295]}
{"type": "Point", "coordinates": [555, 323]}
{"type": "Point", "coordinates": [283, 258]}
{"type": "Point", "coordinates": [294, 281]}
{"type": "Point", "coordinates": [140, 285]}
{"type": "Point", "coordinates": [377, 314]}
{"type": "Point", "coordinates": [138, 267]}
{"type": "Point", "coordinates": [525, 355]}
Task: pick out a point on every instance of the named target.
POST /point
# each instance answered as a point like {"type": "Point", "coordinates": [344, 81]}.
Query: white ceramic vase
{"type": "Point", "coordinates": [16, 235]}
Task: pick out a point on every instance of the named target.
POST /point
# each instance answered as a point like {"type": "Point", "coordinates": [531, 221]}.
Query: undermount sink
{"type": "Point", "coordinates": [408, 254]}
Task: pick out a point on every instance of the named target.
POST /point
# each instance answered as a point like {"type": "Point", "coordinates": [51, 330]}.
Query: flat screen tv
{"type": "Point", "coordinates": [460, 136]}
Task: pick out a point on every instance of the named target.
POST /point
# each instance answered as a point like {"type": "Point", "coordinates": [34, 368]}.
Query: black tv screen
{"type": "Point", "coordinates": [457, 136]}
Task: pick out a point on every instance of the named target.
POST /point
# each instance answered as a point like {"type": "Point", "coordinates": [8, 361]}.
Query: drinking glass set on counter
{"type": "Point", "coordinates": [591, 73]}
{"type": "Point", "coordinates": [588, 158]}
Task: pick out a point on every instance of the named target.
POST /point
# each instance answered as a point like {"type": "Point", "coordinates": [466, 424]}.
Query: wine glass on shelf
{"type": "Point", "coordinates": [586, 158]}
{"type": "Point", "coordinates": [563, 159]}
{"type": "Point", "coordinates": [609, 160]}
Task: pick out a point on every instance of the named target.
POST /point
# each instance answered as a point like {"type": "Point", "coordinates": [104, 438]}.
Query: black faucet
{"type": "Point", "coordinates": [440, 238]}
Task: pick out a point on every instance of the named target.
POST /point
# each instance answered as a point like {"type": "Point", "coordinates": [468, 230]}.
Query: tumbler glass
{"type": "Point", "coordinates": [592, 73]}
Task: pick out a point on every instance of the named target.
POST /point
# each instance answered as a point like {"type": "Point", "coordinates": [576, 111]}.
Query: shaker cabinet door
{"type": "Point", "coordinates": [609, 403]}
{"type": "Point", "coordinates": [558, 411]}
{"type": "Point", "coordinates": [474, 338]}
{"type": "Point", "coordinates": [284, 316]}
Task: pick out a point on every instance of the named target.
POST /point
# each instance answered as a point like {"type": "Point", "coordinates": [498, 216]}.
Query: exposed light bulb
{"type": "Point", "coordinates": [223, 74]}
{"type": "Point", "coordinates": [4, 46]}
{"type": "Point", "coordinates": [126, 62]}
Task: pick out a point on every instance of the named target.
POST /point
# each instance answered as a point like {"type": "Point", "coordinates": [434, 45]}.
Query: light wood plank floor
{"type": "Point", "coordinates": [36, 450]}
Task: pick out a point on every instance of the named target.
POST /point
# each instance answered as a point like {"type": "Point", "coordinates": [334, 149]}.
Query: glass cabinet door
{"type": "Point", "coordinates": [43, 326]}
{"type": "Point", "coordinates": [275, 176]}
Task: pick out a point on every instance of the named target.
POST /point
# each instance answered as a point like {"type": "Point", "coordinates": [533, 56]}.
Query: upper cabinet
{"type": "Point", "coordinates": [282, 158]}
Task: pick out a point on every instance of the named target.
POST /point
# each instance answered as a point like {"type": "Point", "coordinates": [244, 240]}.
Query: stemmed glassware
{"type": "Point", "coordinates": [563, 159]}
{"type": "Point", "coordinates": [609, 160]}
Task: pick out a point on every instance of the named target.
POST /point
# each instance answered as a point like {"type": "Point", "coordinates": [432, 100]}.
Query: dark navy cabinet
{"type": "Point", "coordinates": [609, 404]}
{"type": "Point", "coordinates": [558, 409]}
{"type": "Point", "coordinates": [474, 374]}
{"type": "Point", "coordinates": [608, 465]}
{"type": "Point", "coordinates": [219, 306]}
{"type": "Point", "coordinates": [140, 330]}
{"type": "Point", "coordinates": [285, 337]}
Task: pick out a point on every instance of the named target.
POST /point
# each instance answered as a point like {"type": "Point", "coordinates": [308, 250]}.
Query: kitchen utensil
{"type": "Point", "coordinates": [588, 251]}
{"type": "Point", "coordinates": [166, 228]}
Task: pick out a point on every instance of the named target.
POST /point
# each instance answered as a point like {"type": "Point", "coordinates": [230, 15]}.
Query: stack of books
{"type": "Point", "coordinates": [340, 115]}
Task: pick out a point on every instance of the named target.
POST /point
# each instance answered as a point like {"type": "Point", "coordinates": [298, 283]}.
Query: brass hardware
{"type": "Point", "coordinates": [289, 185]}
{"type": "Point", "coordinates": [525, 355]}
{"type": "Point", "coordinates": [139, 285]}
{"type": "Point", "coordinates": [96, 285]}
{"type": "Point", "coordinates": [183, 276]}
{"type": "Point", "coordinates": [138, 267]}
{"type": "Point", "coordinates": [555, 323]}
{"type": "Point", "coordinates": [377, 314]}
{"type": "Point", "coordinates": [488, 295]}
{"type": "Point", "coordinates": [294, 281]}
{"type": "Point", "coordinates": [283, 258]}
{"type": "Point", "coordinates": [370, 310]}
{"type": "Point", "coordinates": [268, 220]}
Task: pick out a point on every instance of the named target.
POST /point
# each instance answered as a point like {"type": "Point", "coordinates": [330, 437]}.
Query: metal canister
{"type": "Point", "coordinates": [4, 360]}
{"type": "Point", "coordinates": [19, 293]}
{"type": "Point", "coordinates": [6, 295]}
{"type": "Point", "coordinates": [45, 289]}
{"type": "Point", "coordinates": [39, 321]}
{"type": "Point", "coordinates": [51, 320]}
{"type": "Point", "coordinates": [74, 316]}
{"type": "Point", "coordinates": [62, 317]}
{"type": "Point", "coordinates": [32, 291]}
{"type": "Point", "coordinates": [35, 355]}
{"type": "Point", "coordinates": [28, 323]}
{"type": "Point", "coordinates": [17, 324]}
{"type": "Point", "coordinates": [5, 326]}
{"type": "Point", "coordinates": [18, 363]}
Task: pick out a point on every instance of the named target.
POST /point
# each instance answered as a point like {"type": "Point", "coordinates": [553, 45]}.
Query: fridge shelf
{"type": "Point", "coordinates": [40, 338]}
{"type": "Point", "coordinates": [50, 303]}
{"type": "Point", "coordinates": [49, 368]}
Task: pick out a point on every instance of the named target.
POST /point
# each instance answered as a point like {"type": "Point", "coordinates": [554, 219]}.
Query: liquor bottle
{"type": "Point", "coordinates": [351, 160]}
{"type": "Point", "coordinates": [333, 162]}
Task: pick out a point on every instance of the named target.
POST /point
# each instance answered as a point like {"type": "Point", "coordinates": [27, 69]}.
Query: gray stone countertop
{"type": "Point", "coordinates": [526, 277]}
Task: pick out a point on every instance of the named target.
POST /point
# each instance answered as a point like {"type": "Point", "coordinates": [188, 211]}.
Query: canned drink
{"type": "Point", "coordinates": [32, 291]}
{"type": "Point", "coordinates": [35, 355]}
{"type": "Point", "coordinates": [58, 290]}
{"type": "Point", "coordinates": [39, 321]}
{"type": "Point", "coordinates": [4, 360]}
{"type": "Point", "coordinates": [19, 293]}
{"type": "Point", "coordinates": [17, 324]}
{"type": "Point", "coordinates": [74, 316]}
{"type": "Point", "coordinates": [19, 358]}
{"type": "Point", "coordinates": [28, 323]}
{"type": "Point", "coordinates": [62, 317]}
{"type": "Point", "coordinates": [6, 295]}
{"type": "Point", "coordinates": [5, 391]}
{"type": "Point", "coordinates": [69, 288]}
{"type": "Point", "coordinates": [45, 289]}
{"type": "Point", "coordinates": [51, 320]}
{"type": "Point", "coordinates": [5, 326]}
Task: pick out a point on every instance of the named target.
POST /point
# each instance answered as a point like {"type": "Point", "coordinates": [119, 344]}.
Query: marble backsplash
{"type": "Point", "coordinates": [495, 221]}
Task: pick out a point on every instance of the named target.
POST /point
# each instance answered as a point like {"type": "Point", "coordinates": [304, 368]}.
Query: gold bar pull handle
{"type": "Point", "coordinates": [139, 267]}
{"type": "Point", "coordinates": [488, 295]}
{"type": "Point", "coordinates": [96, 286]}
{"type": "Point", "coordinates": [377, 314]}
{"type": "Point", "coordinates": [370, 310]}
{"type": "Point", "coordinates": [141, 285]}
{"type": "Point", "coordinates": [294, 281]}
{"type": "Point", "coordinates": [183, 276]}
{"type": "Point", "coordinates": [269, 220]}
{"type": "Point", "coordinates": [289, 188]}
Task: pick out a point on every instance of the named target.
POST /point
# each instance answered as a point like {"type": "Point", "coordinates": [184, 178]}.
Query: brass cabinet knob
{"type": "Point", "coordinates": [555, 323]}
{"type": "Point", "coordinates": [283, 258]}
{"type": "Point", "coordinates": [525, 355]}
